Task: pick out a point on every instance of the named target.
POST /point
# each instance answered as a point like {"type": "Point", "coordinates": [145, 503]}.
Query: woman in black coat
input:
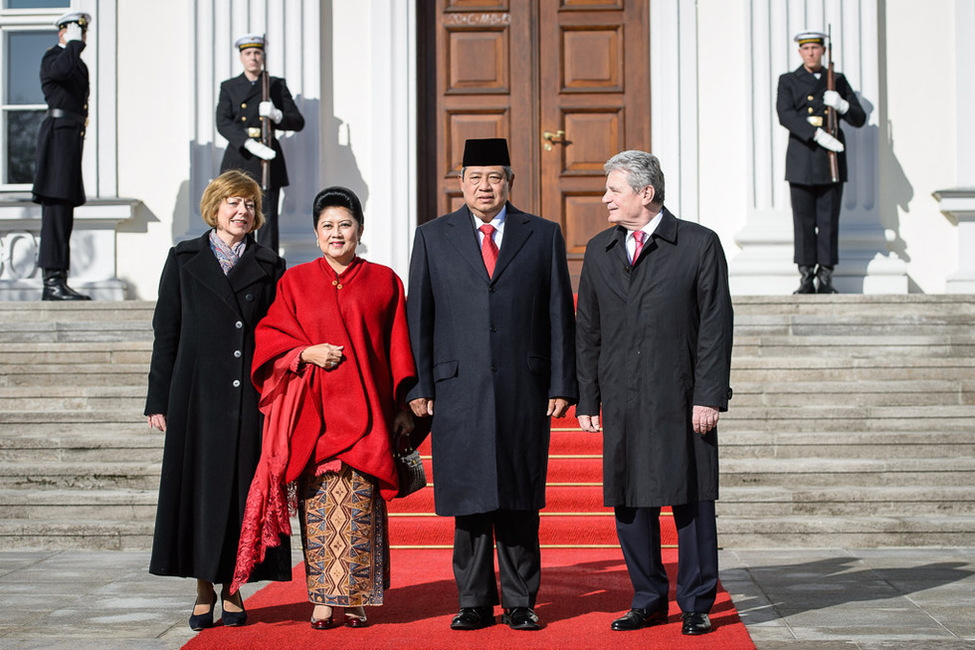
{"type": "Point", "coordinates": [212, 293]}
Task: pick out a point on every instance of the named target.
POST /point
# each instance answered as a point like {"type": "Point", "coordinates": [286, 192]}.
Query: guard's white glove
{"type": "Point", "coordinates": [260, 150]}
{"type": "Point", "coordinates": [826, 141]}
{"type": "Point", "coordinates": [268, 109]}
{"type": "Point", "coordinates": [832, 99]}
{"type": "Point", "coordinates": [72, 32]}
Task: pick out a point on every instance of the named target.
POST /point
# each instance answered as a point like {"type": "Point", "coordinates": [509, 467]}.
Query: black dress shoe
{"type": "Point", "coordinates": [203, 621]}
{"type": "Point", "coordinates": [56, 287]}
{"type": "Point", "coordinates": [695, 623]}
{"type": "Point", "coordinates": [521, 618]}
{"type": "Point", "coordinates": [473, 618]}
{"type": "Point", "coordinates": [638, 618]}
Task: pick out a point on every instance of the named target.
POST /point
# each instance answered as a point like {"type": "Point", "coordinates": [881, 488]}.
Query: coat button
{"type": "Point", "coordinates": [243, 104]}
{"type": "Point", "coordinates": [494, 368]}
{"type": "Point", "coordinates": [244, 117]}
{"type": "Point", "coordinates": [491, 290]}
{"type": "Point", "coordinates": [494, 329]}
{"type": "Point", "coordinates": [236, 354]}
{"type": "Point", "coordinates": [239, 325]}
{"type": "Point", "coordinates": [810, 98]}
{"type": "Point", "coordinates": [810, 110]}
{"type": "Point", "coordinates": [249, 297]}
{"type": "Point", "coordinates": [236, 383]}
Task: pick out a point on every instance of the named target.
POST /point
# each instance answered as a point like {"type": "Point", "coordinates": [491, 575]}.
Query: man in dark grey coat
{"type": "Point", "coordinates": [240, 113]}
{"type": "Point", "coordinates": [802, 104]}
{"type": "Point", "coordinates": [654, 334]}
{"type": "Point", "coordinates": [492, 330]}
{"type": "Point", "coordinates": [58, 185]}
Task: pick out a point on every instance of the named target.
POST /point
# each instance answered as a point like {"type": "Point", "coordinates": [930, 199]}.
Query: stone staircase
{"type": "Point", "coordinates": [853, 424]}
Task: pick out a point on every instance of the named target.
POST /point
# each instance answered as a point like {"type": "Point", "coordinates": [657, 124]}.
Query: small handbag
{"type": "Point", "coordinates": [409, 467]}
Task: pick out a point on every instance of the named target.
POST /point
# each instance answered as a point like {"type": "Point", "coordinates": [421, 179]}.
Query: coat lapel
{"type": "Point", "coordinates": [244, 89]}
{"type": "Point", "coordinates": [517, 230]}
{"type": "Point", "coordinates": [461, 234]}
{"type": "Point", "coordinates": [205, 268]}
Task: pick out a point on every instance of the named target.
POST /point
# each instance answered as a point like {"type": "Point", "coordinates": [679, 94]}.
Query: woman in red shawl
{"type": "Point", "coordinates": [332, 362]}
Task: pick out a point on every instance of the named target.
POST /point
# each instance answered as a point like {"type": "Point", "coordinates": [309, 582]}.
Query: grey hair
{"type": "Point", "coordinates": [508, 172]}
{"type": "Point", "coordinates": [642, 169]}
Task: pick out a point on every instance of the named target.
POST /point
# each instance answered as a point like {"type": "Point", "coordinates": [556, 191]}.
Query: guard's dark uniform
{"type": "Point", "coordinates": [58, 185]}
{"type": "Point", "coordinates": [816, 199]}
{"type": "Point", "coordinates": [238, 120]}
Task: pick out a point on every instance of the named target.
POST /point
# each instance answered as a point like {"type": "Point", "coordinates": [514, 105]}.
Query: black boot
{"type": "Point", "coordinates": [806, 284]}
{"type": "Point", "coordinates": [825, 277]}
{"type": "Point", "coordinates": [56, 287]}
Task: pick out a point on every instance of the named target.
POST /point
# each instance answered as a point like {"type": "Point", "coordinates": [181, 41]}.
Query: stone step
{"type": "Point", "coordinates": [73, 398]}
{"type": "Point", "coordinates": [845, 501]}
{"type": "Point", "coordinates": [71, 418]}
{"type": "Point", "coordinates": [96, 310]}
{"type": "Point", "coordinates": [848, 418]}
{"type": "Point", "coordinates": [105, 374]}
{"type": "Point", "coordinates": [103, 443]}
{"type": "Point", "coordinates": [777, 370]}
{"type": "Point", "coordinates": [72, 354]}
{"type": "Point", "coordinates": [852, 474]}
{"type": "Point", "coordinates": [846, 532]}
{"type": "Point", "coordinates": [82, 534]}
{"type": "Point", "coordinates": [901, 347]}
{"type": "Point", "coordinates": [839, 306]}
{"type": "Point", "coordinates": [856, 444]}
{"type": "Point", "coordinates": [861, 324]}
{"type": "Point", "coordinates": [92, 505]}
{"type": "Point", "coordinates": [858, 393]}
{"type": "Point", "coordinates": [74, 332]}
{"type": "Point", "coordinates": [79, 475]}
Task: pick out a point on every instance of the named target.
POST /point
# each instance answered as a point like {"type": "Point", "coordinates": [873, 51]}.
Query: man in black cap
{"type": "Point", "coordinates": [58, 185]}
{"type": "Point", "coordinates": [802, 103]}
{"type": "Point", "coordinates": [492, 327]}
{"type": "Point", "coordinates": [240, 113]}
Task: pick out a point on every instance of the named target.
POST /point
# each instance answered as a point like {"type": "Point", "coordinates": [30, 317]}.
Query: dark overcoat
{"type": "Point", "coordinates": [490, 353]}
{"type": "Point", "coordinates": [60, 140]}
{"type": "Point", "coordinates": [199, 378]}
{"type": "Point", "coordinates": [800, 96]}
{"type": "Point", "coordinates": [237, 111]}
{"type": "Point", "coordinates": [653, 341]}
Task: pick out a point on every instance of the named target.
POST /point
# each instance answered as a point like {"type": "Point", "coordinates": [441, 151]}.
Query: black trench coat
{"type": "Point", "coordinates": [490, 352]}
{"type": "Point", "coordinates": [652, 342]}
{"type": "Point", "coordinates": [199, 377]}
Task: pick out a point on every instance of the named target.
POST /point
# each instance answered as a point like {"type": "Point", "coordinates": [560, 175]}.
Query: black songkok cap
{"type": "Point", "coordinates": [485, 152]}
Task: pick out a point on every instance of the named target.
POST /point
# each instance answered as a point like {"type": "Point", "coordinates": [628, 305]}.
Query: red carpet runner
{"type": "Point", "coordinates": [583, 590]}
{"type": "Point", "coordinates": [584, 580]}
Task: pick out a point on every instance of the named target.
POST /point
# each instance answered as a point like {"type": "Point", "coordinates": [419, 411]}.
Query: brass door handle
{"type": "Point", "coordinates": [553, 138]}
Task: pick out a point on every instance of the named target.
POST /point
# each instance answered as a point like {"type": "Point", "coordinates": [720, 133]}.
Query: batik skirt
{"type": "Point", "coordinates": [344, 534]}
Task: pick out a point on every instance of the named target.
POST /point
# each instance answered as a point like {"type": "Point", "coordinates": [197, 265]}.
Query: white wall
{"type": "Point", "coordinates": [920, 117]}
{"type": "Point", "coordinates": [153, 134]}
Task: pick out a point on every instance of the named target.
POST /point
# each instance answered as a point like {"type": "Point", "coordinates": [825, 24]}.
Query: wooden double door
{"type": "Point", "coordinates": [565, 81]}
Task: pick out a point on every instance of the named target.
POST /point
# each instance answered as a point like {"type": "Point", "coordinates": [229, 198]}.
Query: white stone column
{"type": "Point", "coordinates": [867, 263]}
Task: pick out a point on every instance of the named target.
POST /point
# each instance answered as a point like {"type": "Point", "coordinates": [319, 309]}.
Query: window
{"type": "Point", "coordinates": [26, 32]}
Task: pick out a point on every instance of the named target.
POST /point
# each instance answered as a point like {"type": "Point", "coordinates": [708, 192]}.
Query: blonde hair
{"type": "Point", "coordinates": [231, 183]}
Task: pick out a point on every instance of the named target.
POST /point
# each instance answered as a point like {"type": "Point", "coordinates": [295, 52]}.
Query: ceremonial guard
{"type": "Point", "coordinates": [241, 111]}
{"type": "Point", "coordinates": [58, 185]}
{"type": "Point", "coordinates": [815, 163]}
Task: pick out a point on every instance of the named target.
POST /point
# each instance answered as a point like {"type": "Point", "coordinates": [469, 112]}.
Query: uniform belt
{"type": "Point", "coordinates": [68, 115]}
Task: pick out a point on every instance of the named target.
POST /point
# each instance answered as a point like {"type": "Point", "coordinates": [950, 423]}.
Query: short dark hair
{"type": "Point", "coordinates": [336, 197]}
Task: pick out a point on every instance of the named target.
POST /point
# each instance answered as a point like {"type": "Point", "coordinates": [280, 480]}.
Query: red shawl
{"type": "Point", "coordinates": [315, 415]}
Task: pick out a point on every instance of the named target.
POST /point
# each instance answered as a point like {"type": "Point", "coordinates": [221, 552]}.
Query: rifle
{"type": "Point", "coordinates": [266, 122]}
{"type": "Point", "coordinates": [832, 123]}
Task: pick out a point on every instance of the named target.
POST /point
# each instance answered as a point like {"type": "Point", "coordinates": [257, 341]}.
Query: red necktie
{"type": "Point", "coordinates": [639, 236]}
{"type": "Point", "coordinates": [489, 250]}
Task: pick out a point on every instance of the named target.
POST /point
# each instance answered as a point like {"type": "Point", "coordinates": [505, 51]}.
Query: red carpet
{"type": "Point", "coordinates": [583, 590]}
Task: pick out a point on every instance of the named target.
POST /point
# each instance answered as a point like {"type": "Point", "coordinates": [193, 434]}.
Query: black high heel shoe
{"type": "Point", "coordinates": [234, 619]}
{"type": "Point", "coordinates": [203, 621]}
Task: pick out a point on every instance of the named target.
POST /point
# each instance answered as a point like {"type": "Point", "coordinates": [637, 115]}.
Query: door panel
{"type": "Point", "coordinates": [518, 69]}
